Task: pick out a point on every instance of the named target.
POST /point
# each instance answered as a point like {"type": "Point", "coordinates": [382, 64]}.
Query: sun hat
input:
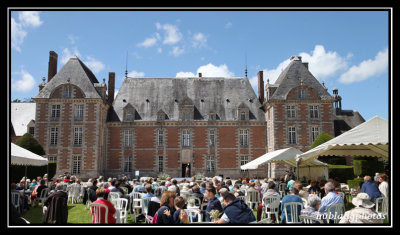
{"type": "Point", "coordinates": [363, 200]}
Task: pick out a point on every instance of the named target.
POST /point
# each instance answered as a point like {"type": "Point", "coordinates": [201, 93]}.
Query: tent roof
{"type": "Point", "coordinates": [21, 156]}
{"type": "Point", "coordinates": [367, 139]}
{"type": "Point", "coordinates": [287, 155]}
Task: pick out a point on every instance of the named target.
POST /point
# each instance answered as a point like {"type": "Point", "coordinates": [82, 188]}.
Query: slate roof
{"type": "Point", "coordinates": [219, 95]}
{"type": "Point", "coordinates": [346, 120]}
{"type": "Point", "coordinates": [291, 77]}
{"type": "Point", "coordinates": [78, 74]}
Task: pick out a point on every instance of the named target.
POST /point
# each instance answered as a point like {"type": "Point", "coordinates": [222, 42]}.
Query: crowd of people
{"type": "Point", "coordinates": [168, 198]}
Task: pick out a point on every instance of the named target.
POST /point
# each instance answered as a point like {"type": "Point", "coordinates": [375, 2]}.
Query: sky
{"type": "Point", "coordinates": [347, 50]}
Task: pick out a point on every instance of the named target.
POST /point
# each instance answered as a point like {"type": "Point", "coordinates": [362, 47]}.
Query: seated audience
{"type": "Point", "coordinates": [167, 209]}
{"type": "Point", "coordinates": [57, 206]}
{"type": "Point", "coordinates": [363, 213]}
{"type": "Point", "coordinates": [312, 208]}
{"type": "Point", "coordinates": [100, 192]}
{"type": "Point", "coordinates": [330, 199]}
{"type": "Point", "coordinates": [383, 186]}
{"type": "Point", "coordinates": [292, 197]}
{"type": "Point", "coordinates": [236, 212]}
{"type": "Point", "coordinates": [180, 216]}
{"type": "Point", "coordinates": [370, 188]}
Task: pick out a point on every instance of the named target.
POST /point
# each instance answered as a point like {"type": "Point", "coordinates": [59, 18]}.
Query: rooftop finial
{"type": "Point", "coordinates": [126, 66]}
{"type": "Point", "coordinates": [245, 59]}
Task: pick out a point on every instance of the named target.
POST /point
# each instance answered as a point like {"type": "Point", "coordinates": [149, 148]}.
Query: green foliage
{"type": "Point", "coordinates": [162, 176]}
{"type": "Point", "coordinates": [321, 138]}
{"type": "Point", "coordinates": [367, 166]}
{"type": "Point", "coordinates": [17, 172]}
{"type": "Point", "coordinates": [342, 172]}
{"type": "Point", "coordinates": [355, 183]}
{"type": "Point", "coordinates": [29, 142]}
{"type": "Point", "coordinates": [333, 160]}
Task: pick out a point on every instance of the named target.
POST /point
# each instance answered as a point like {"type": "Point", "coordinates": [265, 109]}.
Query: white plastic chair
{"type": "Point", "coordinates": [145, 207]}
{"type": "Point", "coordinates": [112, 196]}
{"type": "Point", "coordinates": [305, 203]}
{"type": "Point", "coordinates": [121, 205]}
{"type": "Point", "coordinates": [265, 221]}
{"type": "Point", "coordinates": [294, 212]}
{"type": "Point", "coordinates": [88, 201]}
{"type": "Point", "coordinates": [16, 201]}
{"type": "Point", "coordinates": [95, 210]}
{"type": "Point", "coordinates": [197, 201]}
{"type": "Point", "coordinates": [342, 195]}
{"type": "Point", "coordinates": [335, 212]}
{"type": "Point", "coordinates": [281, 189]}
{"type": "Point", "coordinates": [192, 214]}
{"type": "Point", "coordinates": [74, 193]}
{"type": "Point", "coordinates": [252, 197]}
{"type": "Point", "coordinates": [270, 206]}
{"type": "Point", "coordinates": [381, 206]}
{"type": "Point", "coordinates": [310, 220]}
{"type": "Point", "coordinates": [43, 195]}
{"type": "Point", "coordinates": [137, 205]}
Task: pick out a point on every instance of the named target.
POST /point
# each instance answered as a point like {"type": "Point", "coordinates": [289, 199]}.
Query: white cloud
{"type": "Point", "coordinates": [228, 25]}
{"type": "Point", "coordinates": [66, 54]}
{"type": "Point", "coordinates": [72, 38]}
{"type": "Point", "coordinates": [172, 34]}
{"type": "Point", "coordinates": [30, 18]}
{"type": "Point", "coordinates": [26, 83]}
{"type": "Point", "coordinates": [366, 69]}
{"type": "Point", "coordinates": [185, 74]}
{"type": "Point", "coordinates": [199, 40]}
{"type": "Point", "coordinates": [135, 74]}
{"type": "Point", "coordinates": [148, 42]}
{"type": "Point", "coordinates": [177, 51]}
{"type": "Point", "coordinates": [17, 35]}
{"type": "Point", "coordinates": [94, 64]}
{"type": "Point", "coordinates": [209, 70]}
{"type": "Point", "coordinates": [324, 64]}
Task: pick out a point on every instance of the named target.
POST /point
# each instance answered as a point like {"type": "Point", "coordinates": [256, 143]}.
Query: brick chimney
{"type": "Point", "coordinates": [111, 87]}
{"type": "Point", "coordinates": [52, 65]}
{"type": "Point", "coordinates": [260, 86]}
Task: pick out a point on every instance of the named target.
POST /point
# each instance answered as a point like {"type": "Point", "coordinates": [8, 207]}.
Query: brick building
{"type": "Point", "coordinates": [154, 125]}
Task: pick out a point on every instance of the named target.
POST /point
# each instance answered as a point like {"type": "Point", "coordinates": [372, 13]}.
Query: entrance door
{"type": "Point", "coordinates": [184, 170]}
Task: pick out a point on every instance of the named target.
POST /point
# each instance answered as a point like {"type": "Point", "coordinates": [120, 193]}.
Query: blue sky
{"type": "Point", "coordinates": [345, 49]}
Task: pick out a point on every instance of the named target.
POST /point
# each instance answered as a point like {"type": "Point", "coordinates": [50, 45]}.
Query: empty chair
{"type": "Point", "coordinates": [96, 211]}
{"type": "Point", "coordinates": [281, 188]}
{"type": "Point", "coordinates": [381, 206]}
{"type": "Point", "coordinates": [310, 220]}
{"type": "Point", "coordinates": [112, 196]}
{"type": "Point", "coordinates": [16, 200]}
{"type": "Point", "coordinates": [335, 212]}
{"type": "Point", "coordinates": [270, 206]}
{"type": "Point", "coordinates": [292, 209]}
{"type": "Point", "coordinates": [145, 208]}
{"type": "Point", "coordinates": [74, 193]}
{"type": "Point", "coordinates": [43, 195]}
{"type": "Point", "coordinates": [121, 206]}
{"type": "Point", "coordinates": [194, 216]}
{"type": "Point", "coordinates": [252, 198]}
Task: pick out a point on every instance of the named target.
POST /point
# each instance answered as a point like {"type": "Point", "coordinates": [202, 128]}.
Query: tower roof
{"type": "Point", "coordinates": [74, 72]}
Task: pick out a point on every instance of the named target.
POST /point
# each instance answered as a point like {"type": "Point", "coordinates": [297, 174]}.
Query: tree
{"type": "Point", "coordinates": [29, 142]}
{"type": "Point", "coordinates": [321, 138]}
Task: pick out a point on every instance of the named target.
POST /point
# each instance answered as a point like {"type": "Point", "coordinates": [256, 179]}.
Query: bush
{"type": "Point", "coordinates": [333, 160]}
{"type": "Point", "coordinates": [355, 183]}
{"type": "Point", "coordinates": [17, 172]}
{"type": "Point", "coordinates": [367, 166]}
{"type": "Point", "coordinates": [29, 142]}
{"type": "Point", "coordinates": [343, 172]}
{"type": "Point", "coordinates": [321, 138]}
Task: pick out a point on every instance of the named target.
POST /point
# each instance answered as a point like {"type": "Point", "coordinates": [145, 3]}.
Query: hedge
{"type": "Point", "coordinates": [17, 172]}
{"type": "Point", "coordinates": [333, 160]}
{"type": "Point", "coordinates": [342, 172]}
{"type": "Point", "coordinates": [367, 166]}
{"type": "Point", "coordinates": [355, 183]}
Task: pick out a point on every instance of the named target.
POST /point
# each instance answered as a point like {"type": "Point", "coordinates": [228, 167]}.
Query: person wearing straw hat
{"type": "Point", "coordinates": [363, 213]}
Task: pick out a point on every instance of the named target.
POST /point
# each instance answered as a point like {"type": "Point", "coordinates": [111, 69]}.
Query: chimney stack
{"type": "Point", "coordinates": [52, 65]}
{"type": "Point", "coordinates": [305, 64]}
{"type": "Point", "coordinates": [200, 75]}
{"type": "Point", "coordinates": [111, 87]}
{"type": "Point", "coordinates": [260, 86]}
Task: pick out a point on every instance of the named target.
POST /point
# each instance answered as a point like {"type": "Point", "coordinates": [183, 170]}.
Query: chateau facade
{"type": "Point", "coordinates": [155, 125]}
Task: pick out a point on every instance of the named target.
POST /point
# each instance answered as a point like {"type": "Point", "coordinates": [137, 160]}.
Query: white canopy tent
{"type": "Point", "coordinates": [310, 169]}
{"type": "Point", "coordinates": [21, 156]}
{"type": "Point", "coordinates": [367, 139]}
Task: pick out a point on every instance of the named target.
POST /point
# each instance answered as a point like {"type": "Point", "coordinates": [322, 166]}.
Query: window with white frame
{"type": "Point", "coordinates": [212, 138]}
{"type": "Point", "coordinates": [244, 159]}
{"type": "Point", "coordinates": [292, 135]}
{"type": "Point", "coordinates": [186, 138]}
{"type": "Point", "coordinates": [302, 94]}
{"type": "Point", "coordinates": [243, 116]}
{"type": "Point", "coordinates": [314, 133]}
{"type": "Point", "coordinates": [78, 112]}
{"type": "Point", "coordinates": [291, 111]}
{"type": "Point", "coordinates": [55, 111]}
{"type": "Point", "coordinates": [160, 138]}
{"type": "Point", "coordinates": [244, 137]}
{"type": "Point", "coordinates": [78, 132]}
{"type": "Point", "coordinates": [160, 163]}
{"type": "Point", "coordinates": [128, 163]}
{"type": "Point", "coordinates": [210, 164]}
{"type": "Point", "coordinates": [53, 136]}
{"type": "Point", "coordinates": [128, 135]}
{"type": "Point", "coordinates": [314, 111]}
{"type": "Point", "coordinates": [67, 92]}
{"type": "Point", "coordinates": [52, 159]}
{"type": "Point", "coordinates": [76, 164]}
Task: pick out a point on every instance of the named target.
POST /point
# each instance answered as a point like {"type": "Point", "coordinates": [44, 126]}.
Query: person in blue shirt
{"type": "Point", "coordinates": [236, 211]}
{"type": "Point", "coordinates": [213, 203]}
{"type": "Point", "coordinates": [370, 188]}
{"type": "Point", "coordinates": [330, 199]}
{"type": "Point", "coordinates": [292, 197]}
